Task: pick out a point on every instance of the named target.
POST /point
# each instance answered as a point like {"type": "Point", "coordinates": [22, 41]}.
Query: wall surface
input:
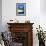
{"type": "Point", "coordinates": [33, 13]}
{"type": "Point", "coordinates": [43, 14]}
{"type": "Point", "coordinates": [9, 11]}
{"type": "Point", "coordinates": [0, 15]}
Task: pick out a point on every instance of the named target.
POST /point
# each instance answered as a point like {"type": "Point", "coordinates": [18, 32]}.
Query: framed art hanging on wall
{"type": "Point", "coordinates": [21, 9]}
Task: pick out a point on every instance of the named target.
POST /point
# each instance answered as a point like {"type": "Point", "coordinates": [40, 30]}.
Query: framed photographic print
{"type": "Point", "coordinates": [21, 9]}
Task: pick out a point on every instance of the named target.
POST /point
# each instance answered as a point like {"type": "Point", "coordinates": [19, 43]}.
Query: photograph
{"type": "Point", "coordinates": [22, 23]}
{"type": "Point", "coordinates": [20, 9]}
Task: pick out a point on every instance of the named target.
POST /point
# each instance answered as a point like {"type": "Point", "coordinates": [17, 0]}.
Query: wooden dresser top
{"type": "Point", "coordinates": [19, 23]}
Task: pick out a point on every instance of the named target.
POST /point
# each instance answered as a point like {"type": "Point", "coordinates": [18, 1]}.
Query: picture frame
{"type": "Point", "coordinates": [20, 9]}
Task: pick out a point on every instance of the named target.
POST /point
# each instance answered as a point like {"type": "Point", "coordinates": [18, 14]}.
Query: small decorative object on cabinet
{"type": "Point", "coordinates": [13, 21]}
{"type": "Point", "coordinates": [22, 33]}
{"type": "Point", "coordinates": [27, 21]}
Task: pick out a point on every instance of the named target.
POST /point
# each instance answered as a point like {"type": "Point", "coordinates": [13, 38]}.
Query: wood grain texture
{"type": "Point", "coordinates": [23, 27]}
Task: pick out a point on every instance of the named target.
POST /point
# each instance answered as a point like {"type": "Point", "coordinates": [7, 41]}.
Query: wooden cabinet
{"type": "Point", "coordinates": [22, 33]}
